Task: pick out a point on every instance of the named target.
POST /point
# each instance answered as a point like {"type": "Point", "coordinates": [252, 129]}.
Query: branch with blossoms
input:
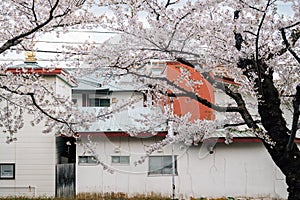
{"type": "Point", "coordinates": [50, 17]}
{"type": "Point", "coordinates": [296, 36]}
{"type": "Point", "coordinates": [32, 94]}
{"type": "Point", "coordinates": [33, 102]}
{"type": "Point", "coordinates": [190, 133]}
{"type": "Point", "coordinates": [181, 91]}
{"type": "Point", "coordinates": [18, 39]}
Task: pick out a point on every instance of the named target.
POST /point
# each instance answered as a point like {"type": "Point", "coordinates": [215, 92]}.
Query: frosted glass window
{"type": "Point", "coordinates": [87, 160]}
{"type": "Point", "coordinates": [120, 160]}
{"type": "Point", "coordinates": [161, 165]}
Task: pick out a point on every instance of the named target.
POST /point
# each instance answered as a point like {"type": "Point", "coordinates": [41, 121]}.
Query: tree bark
{"type": "Point", "coordinates": [288, 160]}
{"type": "Point", "coordinates": [275, 125]}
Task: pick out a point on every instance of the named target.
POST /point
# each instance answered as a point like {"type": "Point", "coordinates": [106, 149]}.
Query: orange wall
{"type": "Point", "coordinates": [184, 105]}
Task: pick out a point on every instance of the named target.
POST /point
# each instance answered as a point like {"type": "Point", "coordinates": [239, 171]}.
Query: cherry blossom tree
{"type": "Point", "coordinates": [254, 43]}
{"type": "Point", "coordinates": [26, 92]}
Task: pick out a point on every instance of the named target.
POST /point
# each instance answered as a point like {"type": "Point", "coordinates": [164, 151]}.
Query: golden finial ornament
{"type": "Point", "coordinates": [30, 57]}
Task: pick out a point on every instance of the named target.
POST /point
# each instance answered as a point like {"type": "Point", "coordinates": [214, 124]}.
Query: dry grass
{"type": "Point", "coordinates": [98, 196]}
{"type": "Point", "coordinates": [119, 196]}
{"type": "Point", "coordinates": [223, 198]}
{"type": "Point", "coordinates": [111, 196]}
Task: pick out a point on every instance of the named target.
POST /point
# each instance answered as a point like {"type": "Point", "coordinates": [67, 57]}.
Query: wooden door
{"type": "Point", "coordinates": [65, 180]}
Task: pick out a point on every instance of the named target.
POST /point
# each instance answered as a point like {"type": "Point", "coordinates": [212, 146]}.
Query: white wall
{"type": "Point", "coordinates": [34, 156]}
{"type": "Point", "coordinates": [124, 119]}
{"type": "Point", "coordinates": [63, 88]}
{"type": "Point", "coordinates": [60, 86]}
{"type": "Point", "coordinates": [239, 169]}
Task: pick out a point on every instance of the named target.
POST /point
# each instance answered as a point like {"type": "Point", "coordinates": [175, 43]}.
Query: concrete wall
{"type": "Point", "coordinates": [238, 169]}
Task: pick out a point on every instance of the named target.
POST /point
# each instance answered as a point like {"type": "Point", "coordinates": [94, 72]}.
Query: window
{"type": "Point", "coordinates": [87, 160]}
{"type": "Point", "coordinates": [96, 102]}
{"type": "Point", "coordinates": [148, 98]}
{"type": "Point", "coordinates": [161, 165]}
{"type": "Point", "coordinates": [7, 171]}
{"type": "Point", "coordinates": [123, 160]}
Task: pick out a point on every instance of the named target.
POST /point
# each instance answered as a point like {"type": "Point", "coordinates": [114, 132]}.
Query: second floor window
{"type": "Point", "coordinates": [98, 102]}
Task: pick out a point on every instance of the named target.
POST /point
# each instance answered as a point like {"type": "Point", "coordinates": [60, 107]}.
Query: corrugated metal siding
{"type": "Point", "coordinates": [18, 191]}
{"type": "Point", "coordinates": [34, 156]}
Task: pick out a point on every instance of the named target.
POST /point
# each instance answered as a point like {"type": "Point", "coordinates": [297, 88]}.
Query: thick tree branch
{"type": "Point", "coordinates": [34, 13]}
{"type": "Point", "coordinates": [257, 64]}
{"type": "Point", "coordinates": [203, 101]}
{"type": "Point", "coordinates": [169, 3]}
{"type": "Point", "coordinates": [31, 95]}
{"type": "Point", "coordinates": [237, 97]}
{"type": "Point", "coordinates": [252, 7]}
{"type": "Point", "coordinates": [18, 39]}
{"type": "Point", "coordinates": [294, 37]}
{"type": "Point", "coordinates": [292, 25]}
{"type": "Point", "coordinates": [288, 46]}
{"type": "Point", "coordinates": [192, 95]}
{"type": "Point", "coordinates": [239, 124]}
{"type": "Point", "coordinates": [184, 93]}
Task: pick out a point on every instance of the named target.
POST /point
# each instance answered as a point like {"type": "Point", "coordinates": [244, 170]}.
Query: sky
{"type": "Point", "coordinates": [49, 42]}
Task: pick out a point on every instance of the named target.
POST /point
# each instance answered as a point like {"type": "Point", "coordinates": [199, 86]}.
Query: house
{"type": "Point", "coordinates": [30, 166]}
{"type": "Point", "coordinates": [211, 169]}
{"type": "Point", "coordinates": [45, 165]}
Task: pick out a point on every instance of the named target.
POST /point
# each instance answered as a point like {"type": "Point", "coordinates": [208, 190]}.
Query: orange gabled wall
{"type": "Point", "coordinates": [184, 105]}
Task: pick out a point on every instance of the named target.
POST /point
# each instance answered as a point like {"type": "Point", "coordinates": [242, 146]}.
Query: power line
{"type": "Point", "coordinates": [41, 60]}
{"type": "Point", "coordinates": [54, 52]}
{"type": "Point", "coordinates": [63, 42]}
{"type": "Point", "coordinates": [91, 31]}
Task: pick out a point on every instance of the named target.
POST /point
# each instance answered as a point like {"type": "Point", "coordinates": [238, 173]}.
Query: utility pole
{"type": "Point", "coordinates": [171, 134]}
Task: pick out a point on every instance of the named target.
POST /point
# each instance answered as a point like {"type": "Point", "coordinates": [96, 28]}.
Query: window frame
{"type": "Point", "coordinates": [89, 158]}
{"type": "Point", "coordinates": [13, 171]}
{"type": "Point", "coordinates": [164, 167]}
{"type": "Point", "coordinates": [99, 102]}
{"type": "Point", "coordinates": [120, 163]}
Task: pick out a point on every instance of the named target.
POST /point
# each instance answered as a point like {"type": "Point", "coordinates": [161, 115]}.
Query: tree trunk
{"type": "Point", "coordinates": [275, 125]}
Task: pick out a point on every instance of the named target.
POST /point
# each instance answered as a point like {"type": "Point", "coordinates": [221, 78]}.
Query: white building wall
{"type": "Point", "coordinates": [125, 118]}
{"type": "Point", "coordinates": [63, 88]}
{"type": "Point", "coordinates": [34, 156]}
{"type": "Point", "coordinates": [239, 169]}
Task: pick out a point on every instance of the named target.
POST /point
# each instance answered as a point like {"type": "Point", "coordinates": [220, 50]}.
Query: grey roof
{"type": "Point", "coordinates": [26, 65]}
{"type": "Point", "coordinates": [235, 134]}
{"type": "Point", "coordinates": [95, 82]}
